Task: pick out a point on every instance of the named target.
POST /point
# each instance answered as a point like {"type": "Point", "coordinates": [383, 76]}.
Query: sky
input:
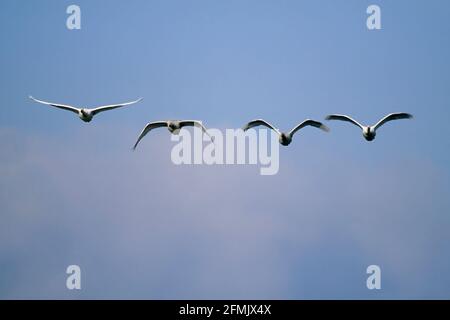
{"type": "Point", "coordinates": [140, 227]}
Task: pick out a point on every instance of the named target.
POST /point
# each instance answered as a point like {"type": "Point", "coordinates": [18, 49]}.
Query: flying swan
{"type": "Point", "coordinates": [174, 126]}
{"type": "Point", "coordinates": [369, 132]}
{"type": "Point", "coordinates": [86, 114]}
{"type": "Point", "coordinates": [285, 138]}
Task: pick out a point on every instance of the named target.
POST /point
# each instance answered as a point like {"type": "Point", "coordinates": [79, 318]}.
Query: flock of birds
{"type": "Point", "coordinates": [174, 126]}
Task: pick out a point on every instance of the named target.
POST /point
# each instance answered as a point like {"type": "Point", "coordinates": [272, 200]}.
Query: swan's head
{"type": "Point", "coordinates": [284, 139]}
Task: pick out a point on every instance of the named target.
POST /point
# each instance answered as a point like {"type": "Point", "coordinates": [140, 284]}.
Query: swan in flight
{"type": "Point", "coordinates": [86, 114]}
{"type": "Point", "coordinates": [285, 138]}
{"type": "Point", "coordinates": [174, 127]}
{"type": "Point", "coordinates": [369, 132]}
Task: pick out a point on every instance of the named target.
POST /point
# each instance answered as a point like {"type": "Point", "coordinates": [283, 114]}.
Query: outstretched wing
{"type": "Point", "coordinates": [392, 116]}
{"type": "Point", "coordinates": [309, 122]}
{"type": "Point", "coordinates": [147, 128]}
{"type": "Point", "coordinates": [57, 105]}
{"type": "Point", "coordinates": [113, 106]}
{"type": "Point", "coordinates": [191, 123]}
{"type": "Point", "coordinates": [344, 118]}
{"type": "Point", "coordinates": [260, 122]}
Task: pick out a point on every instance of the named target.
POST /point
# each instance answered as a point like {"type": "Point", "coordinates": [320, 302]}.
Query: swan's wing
{"type": "Point", "coordinates": [148, 127]}
{"type": "Point", "coordinates": [191, 123]}
{"type": "Point", "coordinates": [260, 122]}
{"type": "Point", "coordinates": [343, 118]}
{"type": "Point", "coordinates": [113, 106]}
{"type": "Point", "coordinates": [57, 105]}
{"type": "Point", "coordinates": [309, 122]}
{"type": "Point", "coordinates": [392, 116]}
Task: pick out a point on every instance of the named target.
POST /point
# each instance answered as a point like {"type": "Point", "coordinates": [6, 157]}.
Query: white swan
{"type": "Point", "coordinates": [174, 126]}
{"type": "Point", "coordinates": [285, 138]}
{"type": "Point", "coordinates": [86, 114]}
{"type": "Point", "coordinates": [369, 132]}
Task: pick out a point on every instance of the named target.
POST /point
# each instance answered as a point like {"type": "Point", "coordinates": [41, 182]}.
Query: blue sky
{"type": "Point", "coordinates": [141, 227]}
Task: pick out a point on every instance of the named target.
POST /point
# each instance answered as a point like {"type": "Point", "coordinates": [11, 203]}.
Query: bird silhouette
{"type": "Point", "coordinates": [86, 114]}
{"type": "Point", "coordinates": [174, 126]}
{"type": "Point", "coordinates": [369, 132]}
{"type": "Point", "coordinates": [285, 138]}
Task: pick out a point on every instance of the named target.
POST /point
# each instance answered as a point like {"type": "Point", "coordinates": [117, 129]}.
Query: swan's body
{"type": "Point", "coordinates": [285, 138]}
{"type": "Point", "coordinates": [85, 114]}
{"type": "Point", "coordinates": [174, 127]}
{"type": "Point", "coordinates": [369, 132]}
